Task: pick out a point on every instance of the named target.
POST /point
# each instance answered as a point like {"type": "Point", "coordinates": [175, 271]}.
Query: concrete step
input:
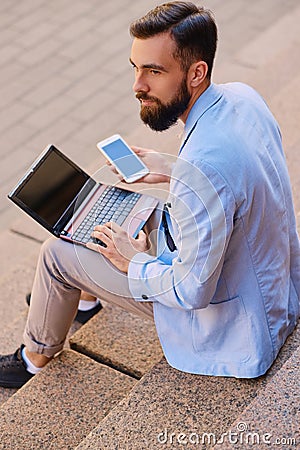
{"type": "Point", "coordinates": [270, 41]}
{"type": "Point", "coordinates": [243, 23]}
{"type": "Point", "coordinates": [17, 267]}
{"type": "Point", "coordinates": [10, 339]}
{"type": "Point", "coordinates": [167, 404]}
{"type": "Point", "coordinates": [273, 417]}
{"type": "Point", "coordinates": [14, 284]}
{"type": "Point", "coordinates": [19, 256]}
{"type": "Point", "coordinates": [119, 339]}
{"type": "Point", "coordinates": [28, 228]}
{"type": "Point", "coordinates": [15, 250]}
{"type": "Point", "coordinates": [58, 407]}
{"type": "Point", "coordinates": [11, 336]}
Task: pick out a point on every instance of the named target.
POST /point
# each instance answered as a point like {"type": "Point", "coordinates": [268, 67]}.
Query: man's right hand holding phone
{"type": "Point", "coordinates": [160, 168]}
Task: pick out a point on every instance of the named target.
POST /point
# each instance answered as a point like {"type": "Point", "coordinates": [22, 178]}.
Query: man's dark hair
{"type": "Point", "coordinates": [193, 29]}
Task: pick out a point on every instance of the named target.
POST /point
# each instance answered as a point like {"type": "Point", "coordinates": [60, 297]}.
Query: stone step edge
{"type": "Point", "coordinates": [105, 361]}
{"type": "Point", "coordinates": [277, 370]}
{"type": "Point", "coordinates": [119, 339]}
{"type": "Point", "coordinates": [52, 376]}
{"type": "Point", "coordinates": [254, 422]}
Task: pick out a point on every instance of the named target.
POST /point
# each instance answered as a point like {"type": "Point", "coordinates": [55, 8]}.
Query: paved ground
{"type": "Point", "coordinates": [65, 77]}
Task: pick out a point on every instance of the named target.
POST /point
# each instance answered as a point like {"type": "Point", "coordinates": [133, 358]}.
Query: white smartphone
{"type": "Point", "coordinates": [127, 163]}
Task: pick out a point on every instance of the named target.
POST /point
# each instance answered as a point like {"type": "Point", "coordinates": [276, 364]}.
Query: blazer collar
{"type": "Point", "coordinates": [206, 100]}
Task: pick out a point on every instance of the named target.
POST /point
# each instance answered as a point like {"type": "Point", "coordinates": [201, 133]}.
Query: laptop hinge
{"type": "Point", "coordinates": [76, 206]}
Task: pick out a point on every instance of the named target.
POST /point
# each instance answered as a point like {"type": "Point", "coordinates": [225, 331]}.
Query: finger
{"type": "Point", "coordinates": [141, 236]}
{"type": "Point", "coordinates": [113, 169]}
{"type": "Point", "coordinates": [142, 151]}
{"type": "Point", "coordinates": [143, 240]}
{"type": "Point", "coordinates": [103, 233]}
{"type": "Point", "coordinates": [96, 247]}
{"type": "Point", "coordinates": [104, 227]}
{"type": "Point", "coordinates": [114, 227]}
{"type": "Point", "coordinates": [138, 150]}
{"type": "Point", "coordinates": [102, 237]}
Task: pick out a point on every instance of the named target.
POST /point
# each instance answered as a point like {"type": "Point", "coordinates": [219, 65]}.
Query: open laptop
{"type": "Point", "coordinates": [66, 201]}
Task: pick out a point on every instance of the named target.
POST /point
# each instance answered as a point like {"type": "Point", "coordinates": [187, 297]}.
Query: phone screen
{"type": "Point", "coordinates": [123, 157]}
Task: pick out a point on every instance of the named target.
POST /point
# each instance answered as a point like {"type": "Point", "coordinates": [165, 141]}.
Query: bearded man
{"type": "Point", "coordinates": [223, 286]}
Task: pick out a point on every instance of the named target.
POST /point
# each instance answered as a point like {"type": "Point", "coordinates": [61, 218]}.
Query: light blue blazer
{"type": "Point", "coordinates": [227, 298]}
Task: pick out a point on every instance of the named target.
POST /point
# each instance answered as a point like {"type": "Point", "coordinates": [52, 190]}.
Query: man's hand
{"type": "Point", "coordinates": [120, 247]}
{"type": "Point", "coordinates": [160, 169]}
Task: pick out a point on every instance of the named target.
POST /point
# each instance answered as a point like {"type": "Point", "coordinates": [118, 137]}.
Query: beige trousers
{"type": "Point", "coordinates": [63, 270]}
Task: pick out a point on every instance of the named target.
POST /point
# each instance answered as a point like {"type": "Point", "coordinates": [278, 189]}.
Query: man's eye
{"type": "Point", "coordinates": [155, 72]}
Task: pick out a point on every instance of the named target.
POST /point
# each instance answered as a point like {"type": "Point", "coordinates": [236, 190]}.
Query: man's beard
{"type": "Point", "coordinates": [160, 117]}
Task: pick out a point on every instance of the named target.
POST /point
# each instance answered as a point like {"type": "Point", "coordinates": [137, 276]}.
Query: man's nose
{"type": "Point", "coordinates": [139, 84]}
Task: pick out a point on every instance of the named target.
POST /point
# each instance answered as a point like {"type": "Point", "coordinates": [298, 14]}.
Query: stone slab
{"type": "Point", "coordinates": [27, 227]}
{"type": "Point", "coordinates": [17, 262]}
{"type": "Point", "coordinates": [273, 418]}
{"type": "Point", "coordinates": [119, 339]}
{"type": "Point", "coordinates": [270, 41]}
{"type": "Point", "coordinates": [15, 250]}
{"type": "Point", "coordinates": [10, 339]}
{"type": "Point", "coordinates": [167, 401]}
{"type": "Point", "coordinates": [17, 268]}
{"type": "Point", "coordinates": [61, 404]}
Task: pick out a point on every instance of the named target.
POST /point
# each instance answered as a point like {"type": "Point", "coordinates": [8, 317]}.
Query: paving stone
{"type": "Point", "coordinates": [61, 404]}
{"type": "Point", "coordinates": [7, 214]}
{"type": "Point", "coordinates": [27, 227]}
{"type": "Point", "coordinates": [17, 267]}
{"type": "Point", "coordinates": [28, 15]}
{"type": "Point", "coordinates": [8, 53]}
{"type": "Point", "coordinates": [167, 401]}
{"type": "Point", "coordinates": [14, 286]}
{"type": "Point", "coordinates": [57, 132]}
{"type": "Point", "coordinates": [92, 84]}
{"type": "Point", "coordinates": [119, 339]}
{"type": "Point", "coordinates": [40, 53]}
{"type": "Point", "coordinates": [10, 176]}
{"type": "Point", "coordinates": [288, 113]}
{"type": "Point", "coordinates": [38, 33]}
{"type": "Point", "coordinates": [52, 88]}
{"type": "Point", "coordinates": [270, 41]}
{"type": "Point", "coordinates": [13, 114]}
{"type": "Point", "coordinates": [16, 250]}
{"type": "Point", "coordinates": [76, 28]}
{"type": "Point", "coordinates": [52, 114]}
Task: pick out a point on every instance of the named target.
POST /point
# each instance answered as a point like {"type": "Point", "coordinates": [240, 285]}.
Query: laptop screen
{"type": "Point", "coordinates": [50, 187]}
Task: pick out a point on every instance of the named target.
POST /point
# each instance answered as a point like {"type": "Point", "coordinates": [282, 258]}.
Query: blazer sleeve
{"type": "Point", "coordinates": [201, 213]}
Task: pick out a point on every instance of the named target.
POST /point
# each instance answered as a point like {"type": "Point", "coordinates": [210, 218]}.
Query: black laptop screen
{"type": "Point", "coordinates": [50, 187]}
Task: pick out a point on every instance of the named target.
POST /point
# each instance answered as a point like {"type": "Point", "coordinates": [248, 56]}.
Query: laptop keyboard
{"type": "Point", "coordinates": [114, 205]}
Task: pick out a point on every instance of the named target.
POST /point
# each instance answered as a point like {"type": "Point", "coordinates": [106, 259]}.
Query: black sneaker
{"type": "Point", "coordinates": [81, 316]}
{"type": "Point", "coordinates": [13, 373]}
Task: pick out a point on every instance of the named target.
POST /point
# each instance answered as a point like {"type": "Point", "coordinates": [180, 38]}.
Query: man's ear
{"type": "Point", "coordinates": [197, 73]}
